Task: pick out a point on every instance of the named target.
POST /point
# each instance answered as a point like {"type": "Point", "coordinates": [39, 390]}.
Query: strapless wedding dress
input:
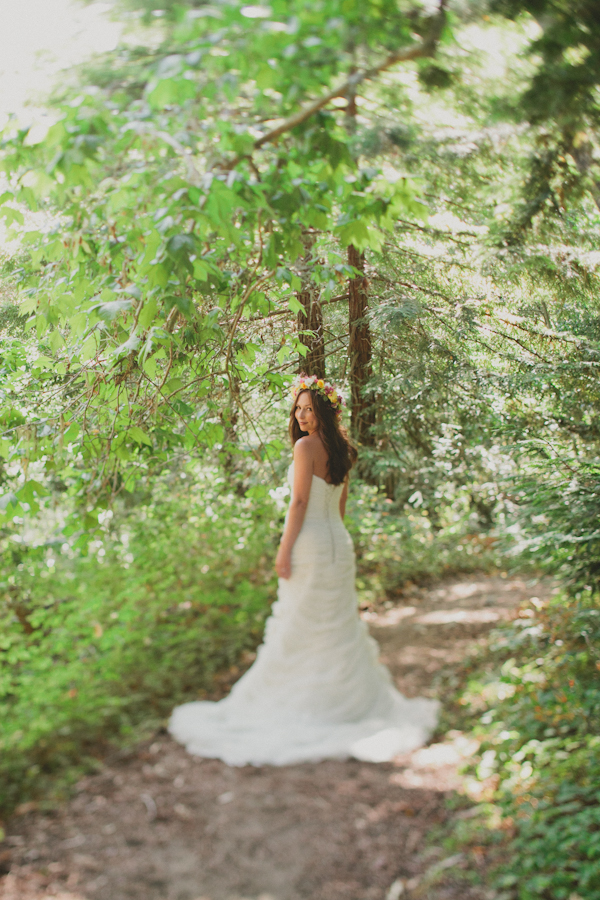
{"type": "Point", "coordinates": [316, 689]}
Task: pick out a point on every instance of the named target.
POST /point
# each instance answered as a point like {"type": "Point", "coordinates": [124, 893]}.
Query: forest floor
{"type": "Point", "coordinates": [157, 824]}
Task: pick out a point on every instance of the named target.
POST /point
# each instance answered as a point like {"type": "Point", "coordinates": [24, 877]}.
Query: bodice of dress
{"type": "Point", "coordinates": [324, 499]}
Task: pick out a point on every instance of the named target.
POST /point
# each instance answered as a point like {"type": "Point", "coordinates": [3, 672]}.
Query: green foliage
{"type": "Point", "coordinates": [397, 544]}
{"type": "Point", "coordinates": [565, 509]}
{"type": "Point", "coordinates": [93, 648]}
{"type": "Point", "coordinates": [560, 100]}
{"type": "Point", "coordinates": [539, 721]}
{"type": "Point", "coordinates": [190, 228]}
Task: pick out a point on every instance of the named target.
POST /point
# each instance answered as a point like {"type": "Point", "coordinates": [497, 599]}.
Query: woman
{"type": "Point", "coordinates": [316, 690]}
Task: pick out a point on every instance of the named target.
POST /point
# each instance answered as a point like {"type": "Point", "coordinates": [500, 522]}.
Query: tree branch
{"type": "Point", "coordinates": [425, 48]}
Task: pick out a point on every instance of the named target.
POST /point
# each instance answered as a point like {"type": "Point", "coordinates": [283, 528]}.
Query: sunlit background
{"type": "Point", "coordinates": [40, 38]}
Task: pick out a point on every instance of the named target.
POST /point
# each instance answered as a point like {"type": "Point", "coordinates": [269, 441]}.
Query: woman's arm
{"type": "Point", "coordinates": [344, 498]}
{"type": "Point", "coordinates": [303, 472]}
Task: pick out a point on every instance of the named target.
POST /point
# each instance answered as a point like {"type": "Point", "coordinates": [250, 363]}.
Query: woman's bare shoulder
{"type": "Point", "coordinates": [305, 448]}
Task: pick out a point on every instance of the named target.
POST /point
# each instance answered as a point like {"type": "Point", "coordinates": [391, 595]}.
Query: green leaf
{"type": "Point", "coordinates": [109, 311]}
{"type": "Point", "coordinates": [130, 346]}
{"type": "Point", "coordinates": [72, 432]}
{"type": "Point", "coordinates": [201, 269]}
{"type": "Point", "coordinates": [90, 348]}
{"type": "Point", "coordinates": [171, 92]}
{"type": "Point", "coordinates": [184, 305]}
{"type": "Point", "coordinates": [56, 341]}
{"type": "Point", "coordinates": [354, 232]}
{"type": "Point", "coordinates": [148, 313]}
{"type": "Point", "coordinates": [30, 489]}
{"type": "Point", "coordinates": [181, 245]}
{"type": "Point", "coordinates": [158, 275]}
{"type": "Point", "coordinates": [11, 215]}
{"type": "Point", "coordinates": [140, 437]}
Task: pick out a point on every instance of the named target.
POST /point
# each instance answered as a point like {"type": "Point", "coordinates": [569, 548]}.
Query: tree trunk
{"type": "Point", "coordinates": [310, 317]}
{"type": "Point", "coordinates": [360, 351]}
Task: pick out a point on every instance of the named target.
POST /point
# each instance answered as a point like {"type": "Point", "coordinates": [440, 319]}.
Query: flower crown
{"type": "Point", "coordinates": [304, 382]}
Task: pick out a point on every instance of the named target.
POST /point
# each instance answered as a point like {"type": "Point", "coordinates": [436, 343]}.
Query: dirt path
{"type": "Point", "coordinates": [160, 825]}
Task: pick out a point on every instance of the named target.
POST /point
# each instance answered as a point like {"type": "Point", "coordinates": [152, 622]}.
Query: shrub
{"type": "Point", "coordinates": [398, 543]}
{"type": "Point", "coordinates": [92, 647]}
{"type": "Point", "coordinates": [541, 742]}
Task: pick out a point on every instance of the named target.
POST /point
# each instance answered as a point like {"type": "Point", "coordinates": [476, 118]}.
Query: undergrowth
{"type": "Point", "coordinates": [396, 544]}
{"type": "Point", "coordinates": [95, 647]}
{"type": "Point", "coordinates": [535, 693]}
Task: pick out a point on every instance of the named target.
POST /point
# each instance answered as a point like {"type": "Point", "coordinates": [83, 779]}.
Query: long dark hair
{"type": "Point", "coordinates": [341, 452]}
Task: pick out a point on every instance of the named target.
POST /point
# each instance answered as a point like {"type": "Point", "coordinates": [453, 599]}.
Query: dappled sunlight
{"type": "Point", "coordinates": [438, 766]}
{"type": "Point", "coordinates": [466, 616]}
{"type": "Point", "coordinates": [39, 38]}
{"type": "Point", "coordinates": [439, 617]}
{"type": "Point", "coordinates": [461, 590]}
{"type": "Point", "coordinates": [429, 658]}
{"type": "Point", "coordinates": [390, 616]}
{"type": "Point", "coordinates": [464, 590]}
{"type": "Point", "coordinates": [434, 633]}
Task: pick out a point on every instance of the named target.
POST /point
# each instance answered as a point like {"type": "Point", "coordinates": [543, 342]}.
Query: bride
{"type": "Point", "coordinates": [316, 690]}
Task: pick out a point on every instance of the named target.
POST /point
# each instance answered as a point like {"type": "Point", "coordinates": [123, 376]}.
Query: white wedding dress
{"type": "Point", "coordinates": [316, 690]}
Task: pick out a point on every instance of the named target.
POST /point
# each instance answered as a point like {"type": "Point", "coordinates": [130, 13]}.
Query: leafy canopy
{"type": "Point", "coordinates": [174, 204]}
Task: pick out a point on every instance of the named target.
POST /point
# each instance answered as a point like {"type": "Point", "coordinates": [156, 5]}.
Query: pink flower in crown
{"type": "Point", "coordinates": [304, 382]}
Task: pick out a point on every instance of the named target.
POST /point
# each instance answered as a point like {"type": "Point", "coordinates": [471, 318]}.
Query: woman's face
{"type": "Point", "coordinates": [305, 415]}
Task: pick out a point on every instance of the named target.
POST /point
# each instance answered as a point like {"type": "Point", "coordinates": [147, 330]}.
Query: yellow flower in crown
{"type": "Point", "coordinates": [304, 382]}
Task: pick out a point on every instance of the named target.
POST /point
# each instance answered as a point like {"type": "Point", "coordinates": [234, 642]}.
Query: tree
{"type": "Point", "coordinates": [360, 349]}
{"type": "Point", "coordinates": [310, 315]}
{"type": "Point", "coordinates": [179, 217]}
{"type": "Point", "coordinates": [560, 102]}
